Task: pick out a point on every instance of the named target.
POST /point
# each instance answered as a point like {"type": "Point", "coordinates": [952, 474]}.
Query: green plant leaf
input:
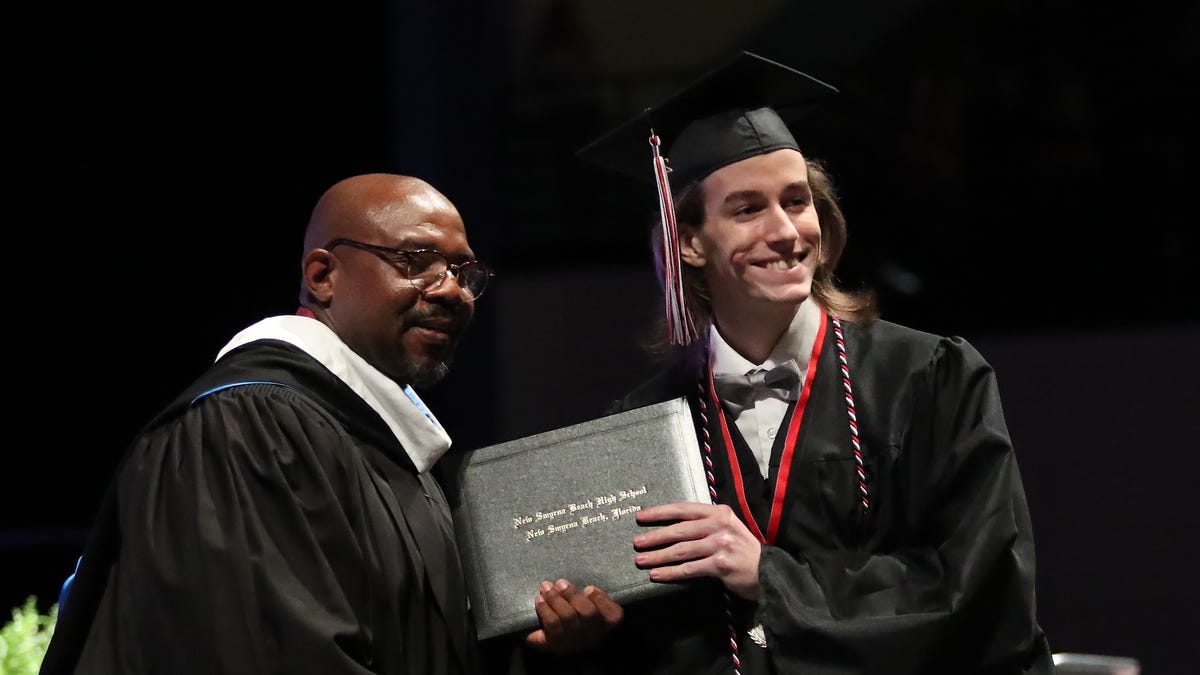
{"type": "Point", "coordinates": [24, 639]}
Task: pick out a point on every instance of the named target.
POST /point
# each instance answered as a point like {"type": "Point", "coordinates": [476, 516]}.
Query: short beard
{"type": "Point", "coordinates": [423, 377]}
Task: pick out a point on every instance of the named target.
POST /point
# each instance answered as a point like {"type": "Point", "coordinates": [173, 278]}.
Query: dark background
{"type": "Point", "coordinates": [1019, 173]}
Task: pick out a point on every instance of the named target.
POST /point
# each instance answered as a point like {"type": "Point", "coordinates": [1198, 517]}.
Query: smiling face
{"type": "Point", "coordinates": [408, 335]}
{"type": "Point", "coordinates": [760, 241]}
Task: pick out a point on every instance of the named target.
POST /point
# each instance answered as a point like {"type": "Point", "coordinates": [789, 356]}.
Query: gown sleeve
{"type": "Point", "coordinates": [946, 582]}
{"type": "Point", "coordinates": [243, 543]}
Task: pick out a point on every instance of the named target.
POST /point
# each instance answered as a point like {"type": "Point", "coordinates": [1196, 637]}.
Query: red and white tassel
{"type": "Point", "coordinates": [680, 328]}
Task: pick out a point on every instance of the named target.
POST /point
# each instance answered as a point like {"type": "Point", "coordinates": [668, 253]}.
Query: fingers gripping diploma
{"type": "Point", "coordinates": [699, 540]}
{"type": "Point", "coordinates": [572, 620]}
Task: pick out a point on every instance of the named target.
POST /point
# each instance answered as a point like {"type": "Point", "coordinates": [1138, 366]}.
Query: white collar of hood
{"type": "Point", "coordinates": [418, 431]}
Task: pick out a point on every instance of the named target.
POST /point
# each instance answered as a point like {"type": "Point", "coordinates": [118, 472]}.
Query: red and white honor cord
{"type": "Point", "coordinates": [706, 447]}
{"type": "Point", "coordinates": [858, 457]}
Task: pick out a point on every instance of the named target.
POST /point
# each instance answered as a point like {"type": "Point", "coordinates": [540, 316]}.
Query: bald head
{"type": "Point", "coordinates": [365, 208]}
{"type": "Point", "coordinates": [359, 207]}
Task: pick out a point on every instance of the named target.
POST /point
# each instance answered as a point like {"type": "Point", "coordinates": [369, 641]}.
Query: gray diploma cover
{"type": "Point", "coordinates": [562, 504]}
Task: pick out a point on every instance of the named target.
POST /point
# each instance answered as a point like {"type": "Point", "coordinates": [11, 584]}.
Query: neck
{"type": "Point", "coordinates": [754, 335]}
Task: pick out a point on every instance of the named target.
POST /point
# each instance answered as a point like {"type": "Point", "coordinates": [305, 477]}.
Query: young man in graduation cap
{"type": "Point", "coordinates": [867, 511]}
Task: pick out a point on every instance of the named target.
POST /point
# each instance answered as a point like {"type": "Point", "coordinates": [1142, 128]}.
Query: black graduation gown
{"type": "Point", "coordinates": [937, 577]}
{"type": "Point", "coordinates": [268, 528]}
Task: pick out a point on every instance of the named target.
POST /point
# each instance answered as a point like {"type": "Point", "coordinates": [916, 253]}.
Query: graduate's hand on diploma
{"type": "Point", "coordinates": [701, 540]}
{"type": "Point", "coordinates": [572, 620]}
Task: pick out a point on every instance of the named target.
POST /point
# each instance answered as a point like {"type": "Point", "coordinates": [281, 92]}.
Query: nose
{"type": "Point", "coordinates": [777, 225]}
{"type": "Point", "coordinates": [447, 289]}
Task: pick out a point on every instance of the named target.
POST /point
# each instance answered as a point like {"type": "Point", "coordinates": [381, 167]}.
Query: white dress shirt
{"type": "Point", "coordinates": [760, 423]}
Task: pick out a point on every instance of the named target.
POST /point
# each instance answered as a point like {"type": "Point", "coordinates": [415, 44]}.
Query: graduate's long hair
{"type": "Point", "coordinates": [853, 306]}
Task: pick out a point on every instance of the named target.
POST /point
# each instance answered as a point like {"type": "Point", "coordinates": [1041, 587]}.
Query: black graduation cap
{"type": "Point", "coordinates": [733, 112]}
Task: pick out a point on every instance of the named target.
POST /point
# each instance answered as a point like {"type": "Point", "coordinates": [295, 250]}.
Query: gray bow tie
{"type": "Point", "coordinates": [738, 392]}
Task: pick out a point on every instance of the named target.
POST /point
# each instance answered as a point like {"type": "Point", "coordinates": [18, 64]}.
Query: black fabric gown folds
{"type": "Point", "coordinates": [273, 527]}
{"type": "Point", "coordinates": [936, 576]}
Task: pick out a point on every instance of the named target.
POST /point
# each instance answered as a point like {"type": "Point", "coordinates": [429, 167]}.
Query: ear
{"type": "Point", "coordinates": [691, 248]}
{"type": "Point", "coordinates": [320, 268]}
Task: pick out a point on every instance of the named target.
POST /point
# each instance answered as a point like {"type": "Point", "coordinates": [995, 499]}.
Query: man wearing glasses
{"type": "Point", "coordinates": [279, 516]}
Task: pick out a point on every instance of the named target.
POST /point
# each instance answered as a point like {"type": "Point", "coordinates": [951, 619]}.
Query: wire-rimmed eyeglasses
{"type": "Point", "coordinates": [426, 268]}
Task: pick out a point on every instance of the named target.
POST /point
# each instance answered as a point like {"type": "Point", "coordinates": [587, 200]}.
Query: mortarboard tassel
{"type": "Point", "coordinates": [680, 328]}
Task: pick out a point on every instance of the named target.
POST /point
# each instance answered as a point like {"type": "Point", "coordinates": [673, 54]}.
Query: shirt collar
{"type": "Point", "coordinates": [418, 431]}
{"type": "Point", "coordinates": [796, 343]}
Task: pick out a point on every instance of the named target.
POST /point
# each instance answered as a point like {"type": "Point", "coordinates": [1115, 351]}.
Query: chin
{"type": "Point", "coordinates": [790, 296]}
{"type": "Point", "coordinates": [421, 369]}
{"type": "Point", "coordinates": [422, 376]}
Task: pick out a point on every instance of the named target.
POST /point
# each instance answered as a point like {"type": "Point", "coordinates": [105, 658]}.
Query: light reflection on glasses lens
{"type": "Point", "coordinates": [428, 269]}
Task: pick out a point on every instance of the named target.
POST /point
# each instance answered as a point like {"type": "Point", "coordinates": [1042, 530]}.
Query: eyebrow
{"type": "Point", "coordinates": [409, 243]}
{"type": "Point", "coordinates": [747, 194]}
